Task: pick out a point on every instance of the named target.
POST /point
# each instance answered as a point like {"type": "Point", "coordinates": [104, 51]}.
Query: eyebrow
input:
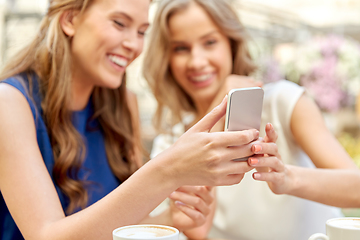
{"type": "Point", "coordinates": [130, 18]}
{"type": "Point", "coordinates": [202, 37]}
{"type": "Point", "coordinates": [124, 15]}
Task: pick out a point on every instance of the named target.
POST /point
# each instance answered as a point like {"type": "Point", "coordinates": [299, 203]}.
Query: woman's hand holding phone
{"type": "Point", "coordinates": [206, 158]}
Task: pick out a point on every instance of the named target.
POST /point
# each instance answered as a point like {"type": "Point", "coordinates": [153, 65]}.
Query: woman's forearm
{"type": "Point", "coordinates": [336, 187]}
{"type": "Point", "coordinates": [131, 202]}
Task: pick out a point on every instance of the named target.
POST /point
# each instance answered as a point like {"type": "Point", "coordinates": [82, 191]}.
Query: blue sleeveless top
{"type": "Point", "coordinates": [95, 168]}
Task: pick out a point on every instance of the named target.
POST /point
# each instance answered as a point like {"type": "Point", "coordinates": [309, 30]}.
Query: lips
{"type": "Point", "coordinates": [120, 61]}
{"type": "Point", "coordinates": [201, 78]}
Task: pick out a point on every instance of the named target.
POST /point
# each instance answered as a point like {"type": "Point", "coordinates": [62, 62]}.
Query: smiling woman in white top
{"type": "Point", "coordinates": [201, 50]}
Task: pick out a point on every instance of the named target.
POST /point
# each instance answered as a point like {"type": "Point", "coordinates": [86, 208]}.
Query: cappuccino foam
{"type": "Point", "coordinates": [148, 232]}
{"type": "Point", "coordinates": [346, 223]}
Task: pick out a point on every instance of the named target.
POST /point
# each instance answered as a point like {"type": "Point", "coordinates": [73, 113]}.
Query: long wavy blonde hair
{"type": "Point", "coordinates": [49, 56]}
{"type": "Point", "coordinates": [156, 70]}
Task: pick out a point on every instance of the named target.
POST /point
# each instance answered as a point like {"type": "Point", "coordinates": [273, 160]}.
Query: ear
{"type": "Point", "coordinates": [68, 21]}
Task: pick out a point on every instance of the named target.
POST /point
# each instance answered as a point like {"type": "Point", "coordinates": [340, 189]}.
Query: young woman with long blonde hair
{"type": "Point", "coordinates": [70, 147]}
{"type": "Point", "coordinates": [198, 52]}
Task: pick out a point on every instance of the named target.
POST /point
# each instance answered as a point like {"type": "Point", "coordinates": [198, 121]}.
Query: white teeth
{"type": "Point", "coordinates": [118, 61]}
{"type": "Point", "coordinates": [201, 78]}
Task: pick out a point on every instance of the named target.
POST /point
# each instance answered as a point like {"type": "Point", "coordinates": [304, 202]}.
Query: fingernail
{"type": "Point", "coordinates": [257, 148]}
{"type": "Point", "coordinates": [225, 98]}
{"type": "Point", "coordinates": [257, 134]}
{"type": "Point", "coordinates": [254, 161]}
{"type": "Point", "coordinates": [179, 203]}
{"type": "Point", "coordinates": [256, 175]}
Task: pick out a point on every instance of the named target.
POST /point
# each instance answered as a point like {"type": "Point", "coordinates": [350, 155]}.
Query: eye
{"type": "Point", "coordinates": [143, 30]}
{"type": "Point", "coordinates": [180, 49]}
{"type": "Point", "coordinates": [141, 33]}
{"type": "Point", "coordinates": [210, 42]}
{"type": "Point", "coordinates": [120, 24]}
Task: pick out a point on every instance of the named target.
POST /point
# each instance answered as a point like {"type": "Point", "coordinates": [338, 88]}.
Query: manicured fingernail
{"type": "Point", "coordinates": [256, 175]}
{"type": "Point", "coordinates": [253, 161]}
{"type": "Point", "coordinates": [257, 148]}
{"type": "Point", "coordinates": [178, 203]}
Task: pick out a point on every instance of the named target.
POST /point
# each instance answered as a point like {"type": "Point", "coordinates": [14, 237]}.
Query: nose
{"type": "Point", "coordinates": [197, 59]}
{"type": "Point", "coordinates": [131, 41]}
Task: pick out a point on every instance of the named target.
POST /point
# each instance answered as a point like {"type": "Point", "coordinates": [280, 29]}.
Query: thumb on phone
{"type": "Point", "coordinates": [210, 119]}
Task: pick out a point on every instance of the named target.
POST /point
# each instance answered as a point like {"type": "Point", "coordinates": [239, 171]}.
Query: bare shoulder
{"type": "Point", "coordinates": [306, 108]}
{"type": "Point", "coordinates": [15, 112]}
{"type": "Point", "coordinates": [306, 119]}
{"type": "Point", "coordinates": [9, 92]}
{"type": "Point", "coordinates": [17, 126]}
{"type": "Point", "coordinates": [12, 100]}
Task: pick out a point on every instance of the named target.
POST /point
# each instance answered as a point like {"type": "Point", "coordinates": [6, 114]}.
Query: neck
{"type": "Point", "coordinates": [80, 94]}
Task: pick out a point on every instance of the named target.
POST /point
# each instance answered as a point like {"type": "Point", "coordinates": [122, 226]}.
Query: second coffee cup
{"type": "Point", "coordinates": [347, 228]}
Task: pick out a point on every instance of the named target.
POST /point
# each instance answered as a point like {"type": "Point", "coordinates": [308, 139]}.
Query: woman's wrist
{"type": "Point", "coordinates": [296, 180]}
{"type": "Point", "coordinates": [164, 169]}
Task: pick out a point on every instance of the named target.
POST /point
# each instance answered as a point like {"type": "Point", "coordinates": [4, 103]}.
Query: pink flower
{"type": "Point", "coordinates": [324, 85]}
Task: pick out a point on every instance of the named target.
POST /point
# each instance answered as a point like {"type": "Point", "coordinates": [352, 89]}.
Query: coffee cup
{"type": "Point", "coordinates": [346, 228]}
{"type": "Point", "coordinates": [146, 232]}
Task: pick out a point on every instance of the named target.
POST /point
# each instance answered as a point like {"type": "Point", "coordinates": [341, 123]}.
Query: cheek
{"type": "Point", "coordinates": [177, 67]}
{"type": "Point", "coordinates": [140, 48]}
{"type": "Point", "coordinates": [88, 47]}
{"type": "Point", "coordinates": [229, 64]}
{"type": "Point", "coordinates": [224, 61]}
{"type": "Point", "coordinates": [79, 56]}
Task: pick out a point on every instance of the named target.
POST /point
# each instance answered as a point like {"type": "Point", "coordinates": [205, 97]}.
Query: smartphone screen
{"type": "Point", "coordinates": [243, 110]}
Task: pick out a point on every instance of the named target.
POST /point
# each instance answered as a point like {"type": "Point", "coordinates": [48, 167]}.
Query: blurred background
{"type": "Point", "coordinates": [314, 43]}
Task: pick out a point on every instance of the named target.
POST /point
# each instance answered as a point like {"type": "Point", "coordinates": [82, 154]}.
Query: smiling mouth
{"type": "Point", "coordinates": [118, 60]}
{"type": "Point", "coordinates": [201, 78]}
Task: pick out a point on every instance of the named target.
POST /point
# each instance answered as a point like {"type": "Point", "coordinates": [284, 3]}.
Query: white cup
{"type": "Point", "coordinates": [146, 232]}
{"type": "Point", "coordinates": [346, 228]}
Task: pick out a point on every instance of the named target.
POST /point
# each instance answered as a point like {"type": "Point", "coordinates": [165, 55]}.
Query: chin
{"type": "Point", "coordinates": [114, 85]}
{"type": "Point", "coordinates": [112, 82]}
{"type": "Point", "coordinates": [208, 93]}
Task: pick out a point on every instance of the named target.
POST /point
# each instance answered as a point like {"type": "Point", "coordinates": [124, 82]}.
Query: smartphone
{"type": "Point", "coordinates": [244, 107]}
